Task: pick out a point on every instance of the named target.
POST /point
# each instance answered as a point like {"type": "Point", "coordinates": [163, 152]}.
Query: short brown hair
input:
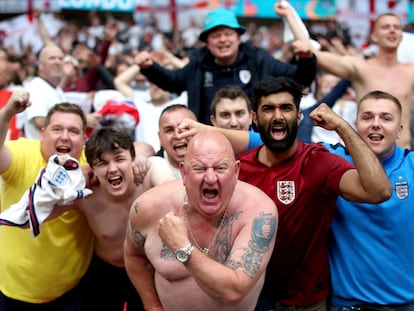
{"type": "Point", "coordinates": [230, 92]}
{"type": "Point", "coordinates": [66, 108]}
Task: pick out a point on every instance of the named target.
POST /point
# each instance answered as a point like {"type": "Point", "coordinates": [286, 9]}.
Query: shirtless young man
{"type": "Point", "coordinates": [173, 149]}
{"type": "Point", "coordinates": [381, 72]}
{"type": "Point", "coordinates": [111, 154]}
{"type": "Point", "coordinates": [208, 236]}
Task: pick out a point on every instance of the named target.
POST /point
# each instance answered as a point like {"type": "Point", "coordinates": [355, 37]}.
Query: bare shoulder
{"type": "Point", "coordinates": [159, 164]}
{"type": "Point", "coordinates": [144, 149]}
{"type": "Point", "coordinates": [251, 198]}
{"type": "Point", "coordinates": [89, 202]}
{"type": "Point", "coordinates": [356, 61]}
{"type": "Point", "coordinates": [161, 192]}
{"type": "Point", "coordinates": [155, 160]}
{"type": "Point", "coordinates": [158, 173]}
{"type": "Point", "coordinates": [409, 67]}
{"type": "Point", "coordinates": [158, 199]}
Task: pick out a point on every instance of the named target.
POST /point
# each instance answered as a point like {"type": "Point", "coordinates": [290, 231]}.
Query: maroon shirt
{"type": "Point", "coordinates": [88, 81]}
{"type": "Point", "coordinates": [304, 188]}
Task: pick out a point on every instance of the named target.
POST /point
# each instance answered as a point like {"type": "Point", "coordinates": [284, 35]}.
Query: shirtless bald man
{"type": "Point", "coordinates": [208, 236]}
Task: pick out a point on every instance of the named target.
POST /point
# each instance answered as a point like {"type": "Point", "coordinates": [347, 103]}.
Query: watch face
{"type": "Point", "coordinates": [181, 255]}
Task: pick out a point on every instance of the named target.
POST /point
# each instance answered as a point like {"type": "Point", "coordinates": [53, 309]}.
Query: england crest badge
{"type": "Point", "coordinates": [401, 189]}
{"type": "Point", "coordinates": [245, 76]}
{"type": "Point", "coordinates": [285, 191]}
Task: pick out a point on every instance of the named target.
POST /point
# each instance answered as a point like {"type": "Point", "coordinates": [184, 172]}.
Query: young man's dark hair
{"type": "Point", "coordinates": [230, 92]}
{"type": "Point", "coordinates": [108, 140]}
{"type": "Point", "coordinates": [273, 85]}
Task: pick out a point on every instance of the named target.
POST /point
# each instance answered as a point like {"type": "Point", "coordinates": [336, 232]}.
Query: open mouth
{"type": "Point", "coordinates": [180, 147]}
{"type": "Point", "coordinates": [278, 131]}
{"type": "Point", "coordinates": [115, 180]}
{"type": "Point", "coordinates": [62, 149]}
{"type": "Point", "coordinates": [210, 193]}
{"type": "Point", "coordinates": [224, 47]}
{"type": "Point", "coordinates": [376, 137]}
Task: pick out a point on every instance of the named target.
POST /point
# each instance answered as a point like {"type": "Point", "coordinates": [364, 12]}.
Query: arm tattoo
{"type": "Point", "coordinates": [263, 231]}
{"type": "Point", "coordinates": [136, 207]}
{"type": "Point", "coordinates": [166, 253]}
{"type": "Point", "coordinates": [223, 242]}
{"type": "Point", "coordinates": [135, 238]}
{"type": "Point", "coordinates": [138, 241]}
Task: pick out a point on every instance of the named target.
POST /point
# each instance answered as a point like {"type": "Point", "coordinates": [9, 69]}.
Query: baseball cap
{"type": "Point", "coordinates": [220, 17]}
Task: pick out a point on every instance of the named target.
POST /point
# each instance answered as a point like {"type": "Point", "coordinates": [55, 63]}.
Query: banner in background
{"type": "Point", "coordinates": [354, 12]}
{"type": "Point", "coordinates": [307, 9]}
{"type": "Point", "coordinates": [411, 11]}
{"type": "Point", "coordinates": [131, 5]}
{"type": "Point", "coordinates": [100, 5]}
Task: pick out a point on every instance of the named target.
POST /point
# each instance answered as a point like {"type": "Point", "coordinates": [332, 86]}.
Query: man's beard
{"type": "Point", "coordinates": [278, 145]}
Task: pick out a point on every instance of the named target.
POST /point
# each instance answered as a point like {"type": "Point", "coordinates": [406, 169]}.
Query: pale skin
{"type": "Point", "coordinates": [232, 114]}
{"type": "Point", "coordinates": [230, 276]}
{"type": "Point", "coordinates": [107, 209]}
{"type": "Point", "coordinates": [51, 69]}
{"type": "Point", "coordinates": [381, 72]}
{"type": "Point", "coordinates": [123, 80]}
{"type": "Point", "coordinates": [367, 183]}
{"type": "Point", "coordinates": [379, 124]}
{"type": "Point", "coordinates": [223, 43]}
{"type": "Point", "coordinates": [63, 135]}
{"type": "Point", "coordinates": [168, 131]}
{"type": "Point", "coordinates": [17, 103]}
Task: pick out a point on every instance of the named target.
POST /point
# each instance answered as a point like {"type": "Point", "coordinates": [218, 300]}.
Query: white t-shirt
{"type": "Point", "coordinates": [347, 109]}
{"type": "Point", "coordinates": [43, 96]}
{"type": "Point", "coordinates": [149, 114]}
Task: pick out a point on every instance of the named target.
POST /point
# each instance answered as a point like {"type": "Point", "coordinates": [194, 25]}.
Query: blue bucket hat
{"type": "Point", "coordinates": [220, 17]}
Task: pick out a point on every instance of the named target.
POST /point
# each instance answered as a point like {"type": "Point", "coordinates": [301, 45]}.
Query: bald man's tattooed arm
{"type": "Point", "coordinates": [250, 258]}
{"type": "Point", "coordinates": [139, 269]}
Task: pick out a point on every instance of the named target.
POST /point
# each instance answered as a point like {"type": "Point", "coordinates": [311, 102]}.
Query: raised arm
{"type": "Point", "coordinates": [17, 103]}
{"type": "Point", "coordinates": [288, 13]}
{"type": "Point", "coordinates": [238, 139]}
{"type": "Point", "coordinates": [169, 59]}
{"type": "Point", "coordinates": [342, 66]}
{"type": "Point", "coordinates": [123, 80]}
{"type": "Point", "coordinates": [44, 34]}
{"type": "Point", "coordinates": [368, 183]}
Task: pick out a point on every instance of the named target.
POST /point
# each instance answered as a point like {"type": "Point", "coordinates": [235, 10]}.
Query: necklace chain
{"type": "Point", "coordinates": [205, 250]}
